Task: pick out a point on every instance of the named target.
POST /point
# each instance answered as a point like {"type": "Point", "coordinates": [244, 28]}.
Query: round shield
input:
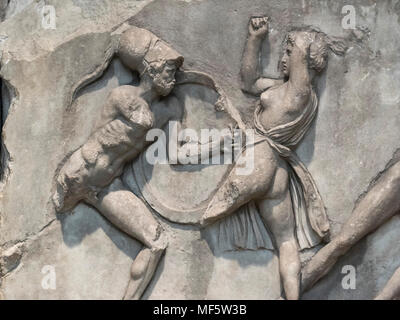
{"type": "Point", "coordinates": [181, 193]}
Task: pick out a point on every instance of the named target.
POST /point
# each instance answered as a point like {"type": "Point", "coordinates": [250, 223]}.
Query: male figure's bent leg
{"type": "Point", "coordinates": [379, 204]}
{"type": "Point", "coordinates": [127, 212]}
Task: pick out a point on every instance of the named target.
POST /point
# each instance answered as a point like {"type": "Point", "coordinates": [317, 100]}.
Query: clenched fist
{"type": "Point", "coordinates": [258, 26]}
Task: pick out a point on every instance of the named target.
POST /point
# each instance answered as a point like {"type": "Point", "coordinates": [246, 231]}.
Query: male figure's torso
{"type": "Point", "coordinates": [120, 135]}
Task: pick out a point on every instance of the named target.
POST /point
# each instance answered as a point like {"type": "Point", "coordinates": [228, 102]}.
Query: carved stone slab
{"type": "Point", "coordinates": [352, 141]}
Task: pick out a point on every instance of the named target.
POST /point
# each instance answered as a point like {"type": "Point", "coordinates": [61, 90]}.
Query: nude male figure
{"type": "Point", "coordinates": [91, 173]}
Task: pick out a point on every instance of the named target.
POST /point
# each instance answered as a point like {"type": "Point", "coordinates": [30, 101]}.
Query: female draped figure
{"type": "Point", "coordinates": [280, 186]}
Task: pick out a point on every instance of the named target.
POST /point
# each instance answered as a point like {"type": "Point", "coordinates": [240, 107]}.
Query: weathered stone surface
{"type": "Point", "coordinates": [353, 138]}
{"type": "Point", "coordinates": [72, 245]}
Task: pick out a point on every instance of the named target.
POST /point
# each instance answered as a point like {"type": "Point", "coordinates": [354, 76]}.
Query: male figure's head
{"type": "Point", "coordinates": [155, 61]}
{"type": "Point", "coordinates": [162, 75]}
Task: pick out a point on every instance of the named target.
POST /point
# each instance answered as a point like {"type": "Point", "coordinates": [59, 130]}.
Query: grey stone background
{"type": "Point", "coordinates": [354, 137]}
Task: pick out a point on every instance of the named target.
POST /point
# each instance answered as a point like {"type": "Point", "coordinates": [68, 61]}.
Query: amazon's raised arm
{"type": "Point", "coordinates": [250, 75]}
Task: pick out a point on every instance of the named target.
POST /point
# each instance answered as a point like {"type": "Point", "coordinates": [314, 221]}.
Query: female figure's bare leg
{"type": "Point", "coordinates": [392, 288]}
{"type": "Point", "coordinates": [127, 212]}
{"type": "Point", "coordinates": [237, 189]}
{"type": "Point", "coordinates": [279, 217]}
{"type": "Point", "coordinates": [379, 204]}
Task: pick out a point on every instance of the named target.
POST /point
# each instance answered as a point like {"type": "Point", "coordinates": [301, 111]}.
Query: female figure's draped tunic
{"type": "Point", "coordinates": [245, 229]}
